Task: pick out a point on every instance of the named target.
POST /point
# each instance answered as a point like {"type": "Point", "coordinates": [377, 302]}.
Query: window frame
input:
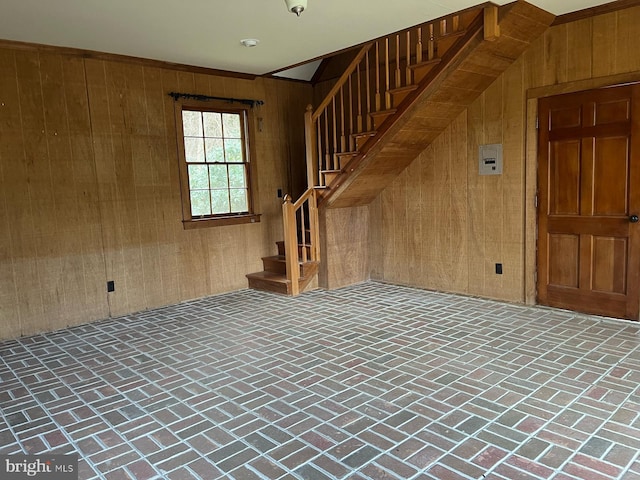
{"type": "Point", "coordinates": [247, 121]}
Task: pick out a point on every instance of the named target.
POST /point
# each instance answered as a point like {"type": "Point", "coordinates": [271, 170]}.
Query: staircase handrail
{"type": "Point", "coordinates": [383, 72]}
{"type": "Point", "coordinates": [341, 81]}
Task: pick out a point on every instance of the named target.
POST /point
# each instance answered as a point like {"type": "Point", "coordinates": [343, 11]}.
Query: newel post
{"type": "Point", "coordinates": [291, 244]}
{"type": "Point", "coordinates": [491, 19]}
{"type": "Point", "coordinates": [310, 139]}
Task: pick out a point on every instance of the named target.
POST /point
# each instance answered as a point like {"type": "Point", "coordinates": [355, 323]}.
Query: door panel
{"type": "Point", "coordinates": [611, 176]}
{"type": "Point", "coordinates": [565, 181]}
{"type": "Point", "coordinates": [589, 186]}
{"type": "Point", "coordinates": [609, 264]}
{"type": "Point", "coordinates": [566, 270]}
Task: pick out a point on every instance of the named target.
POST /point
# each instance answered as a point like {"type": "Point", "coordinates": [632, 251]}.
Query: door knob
{"type": "Point", "coordinates": [634, 219]}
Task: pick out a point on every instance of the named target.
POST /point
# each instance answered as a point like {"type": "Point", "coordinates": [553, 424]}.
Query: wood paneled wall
{"type": "Point", "coordinates": [441, 225]}
{"type": "Point", "coordinates": [89, 189]}
{"type": "Point", "coordinates": [344, 246]}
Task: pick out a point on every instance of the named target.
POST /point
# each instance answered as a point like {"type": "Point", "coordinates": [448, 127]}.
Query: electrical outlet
{"type": "Point", "coordinates": [111, 286]}
{"type": "Point", "coordinates": [498, 269]}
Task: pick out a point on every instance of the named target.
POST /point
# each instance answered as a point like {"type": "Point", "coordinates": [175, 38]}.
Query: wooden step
{"type": "Point", "coordinates": [277, 282]}
{"type": "Point", "coordinates": [278, 264]}
{"type": "Point", "coordinates": [345, 158]}
{"type": "Point", "coordinates": [381, 116]}
{"type": "Point", "coordinates": [399, 94]}
{"type": "Point", "coordinates": [420, 70]}
{"type": "Point", "coordinates": [280, 245]}
{"type": "Point", "coordinates": [445, 42]}
{"type": "Point", "coordinates": [330, 175]}
{"type": "Point", "coordinates": [270, 282]}
{"type": "Point", "coordinates": [361, 138]}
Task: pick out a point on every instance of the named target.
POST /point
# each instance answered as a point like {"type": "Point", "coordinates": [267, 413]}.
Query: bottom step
{"type": "Point", "coordinates": [269, 281]}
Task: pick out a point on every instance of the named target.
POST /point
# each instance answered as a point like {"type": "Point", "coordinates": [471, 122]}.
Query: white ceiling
{"type": "Point", "coordinates": [207, 33]}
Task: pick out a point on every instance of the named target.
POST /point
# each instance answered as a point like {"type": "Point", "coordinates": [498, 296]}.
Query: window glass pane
{"type": "Point", "coordinates": [239, 201]}
{"type": "Point", "coordinates": [220, 201]}
{"type": "Point", "coordinates": [212, 124]}
{"type": "Point", "coordinates": [231, 125]}
{"type": "Point", "coordinates": [192, 123]}
{"type": "Point", "coordinates": [215, 150]}
{"type": "Point", "coordinates": [233, 150]}
{"type": "Point", "coordinates": [237, 176]}
{"type": "Point", "coordinates": [194, 150]}
{"type": "Point", "coordinates": [198, 177]}
{"type": "Point", "coordinates": [200, 204]}
{"type": "Point", "coordinates": [218, 176]}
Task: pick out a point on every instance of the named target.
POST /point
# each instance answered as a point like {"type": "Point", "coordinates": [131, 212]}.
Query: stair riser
{"type": "Point", "coordinates": [300, 247]}
{"type": "Point", "coordinates": [267, 286]}
{"type": "Point", "coordinates": [280, 267]}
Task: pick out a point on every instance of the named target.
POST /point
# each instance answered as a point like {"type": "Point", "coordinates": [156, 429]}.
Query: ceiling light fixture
{"type": "Point", "coordinates": [296, 6]}
{"type": "Point", "coordinates": [249, 42]}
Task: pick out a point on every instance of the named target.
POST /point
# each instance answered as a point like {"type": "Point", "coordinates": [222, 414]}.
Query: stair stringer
{"type": "Point", "coordinates": [425, 113]}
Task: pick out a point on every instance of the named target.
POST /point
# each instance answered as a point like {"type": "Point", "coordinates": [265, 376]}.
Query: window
{"type": "Point", "coordinates": [215, 165]}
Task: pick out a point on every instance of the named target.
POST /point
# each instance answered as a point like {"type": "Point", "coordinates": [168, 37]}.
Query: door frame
{"type": "Point", "coordinates": [531, 165]}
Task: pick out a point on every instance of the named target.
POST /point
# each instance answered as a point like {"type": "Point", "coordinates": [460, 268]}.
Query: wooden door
{"type": "Point", "coordinates": [589, 200]}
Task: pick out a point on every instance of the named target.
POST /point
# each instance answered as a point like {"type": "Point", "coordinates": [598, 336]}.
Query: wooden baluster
{"type": "Point", "coordinates": [303, 234]}
{"type": "Point", "coordinates": [314, 227]}
{"type": "Point", "coordinates": [378, 98]}
{"type": "Point", "coordinates": [359, 118]}
{"type": "Point", "coordinates": [350, 113]}
{"type": "Point", "coordinates": [327, 145]}
{"type": "Point", "coordinates": [443, 27]}
{"type": "Point", "coordinates": [368, 77]}
{"type": "Point", "coordinates": [387, 71]}
{"type": "Point", "coordinates": [456, 23]}
{"type": "Point", "coordinates": [335, 136]}
{"type": "Point", "coordinates": [398, 74]}
{"type": "Point", "coordinates": [343, 138]}
{"type": "Point", "coordinates": [408, 79]}
{"type": "Point", "coordinates": [321, 158]}
{"type": "Point", "coordinates": [431, 47]}
{"type": "Point", "coordinates": [419, 46]}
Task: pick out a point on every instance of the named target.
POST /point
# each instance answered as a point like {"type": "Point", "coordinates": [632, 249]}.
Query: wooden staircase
{"type": "Point", "coordinates": [402, 91]}
{"type": "Point", "coordinates": [274, 276]}
{"type": "Point", "coordinates": [298, 259]}
{"type": "Point", "coordinates": [396, 97]}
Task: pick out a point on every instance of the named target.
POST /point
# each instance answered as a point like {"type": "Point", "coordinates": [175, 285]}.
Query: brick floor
{"type": "Point", "coordinates": [373, 381]}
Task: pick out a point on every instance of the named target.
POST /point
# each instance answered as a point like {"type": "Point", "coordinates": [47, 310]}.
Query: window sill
{"type": "Point", "coordinates": [221, 221]}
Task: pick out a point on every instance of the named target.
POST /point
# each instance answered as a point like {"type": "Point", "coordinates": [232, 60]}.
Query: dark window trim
{"type": "Point", "coordinates": [251, 216]}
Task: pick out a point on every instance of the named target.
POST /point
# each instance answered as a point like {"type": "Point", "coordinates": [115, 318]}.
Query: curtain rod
{"type": "Point", "coordinates": [206, 98]}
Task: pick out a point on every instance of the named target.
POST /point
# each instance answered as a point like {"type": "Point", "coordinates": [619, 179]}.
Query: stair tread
{"type": "Point", "coordinates": [426, 63]}
{"type": "Point", "coordinates": [270, 276]}
{"type": "Point", "coordinates": [389, 111]}
{"type": "Point", "coordinates": [369, 133]}
{"type": "Point", "coordinates": [282, 258]}
{"type": "Point", "coordinates": [459, 33]}
{"type": "Point", "coordinates": [348, 154]}
{"type": "Point", "coordinates": [406, 88]}
{"type": "Point", "coordinates": [331, 171]}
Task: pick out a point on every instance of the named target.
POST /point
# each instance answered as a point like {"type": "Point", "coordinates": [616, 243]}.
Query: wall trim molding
{"type": "Point", "coordinates": [579, 85]}
{"type": "Point", "coordinates": [113, 57]}
{"type": "Point", "coordinates": [593, 11]}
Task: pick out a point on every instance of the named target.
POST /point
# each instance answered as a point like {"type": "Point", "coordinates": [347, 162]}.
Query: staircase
{"type": "Point", "coordinates": [402, 91]}
{"type": "Point", "coordinates": [296, 264]}
{"type": "Point", "coordinates": [274, 276]}
{"type": "Point", "coordinates": [397, 96]}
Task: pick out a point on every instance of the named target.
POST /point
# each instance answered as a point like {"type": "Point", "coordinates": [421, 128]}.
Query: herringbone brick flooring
{"type": "Point", "coordinates": [373, 381]}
